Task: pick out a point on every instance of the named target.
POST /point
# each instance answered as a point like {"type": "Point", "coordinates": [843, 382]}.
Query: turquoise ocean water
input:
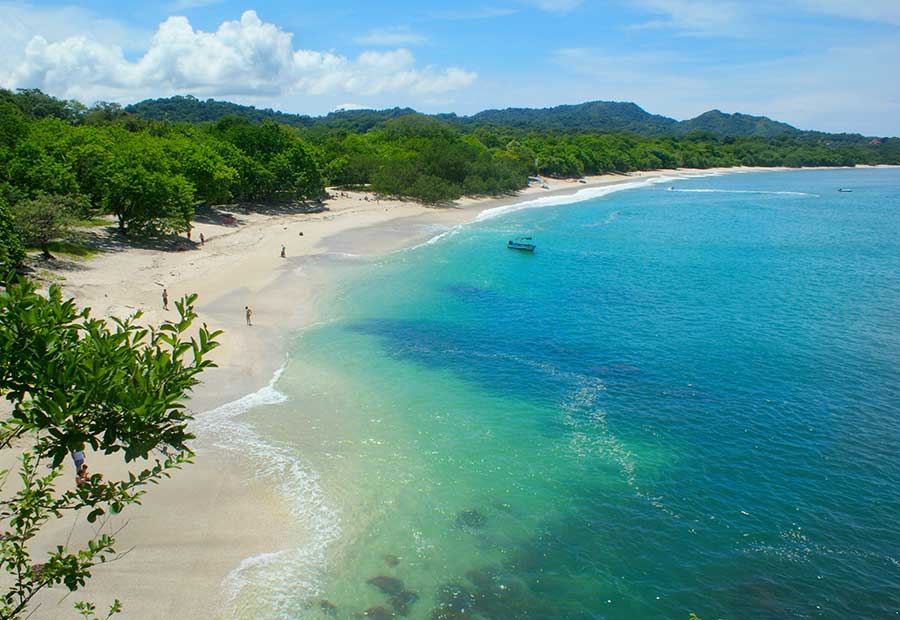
{"type": "Point", "coordinates": [684, 401]}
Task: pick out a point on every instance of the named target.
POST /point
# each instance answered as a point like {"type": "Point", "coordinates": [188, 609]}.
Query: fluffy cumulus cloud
{"type": "Point", "coordinates": [244, 57]}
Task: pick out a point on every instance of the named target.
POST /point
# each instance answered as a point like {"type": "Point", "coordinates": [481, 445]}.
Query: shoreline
{"type": "Point", "coordinates": [212, 508]}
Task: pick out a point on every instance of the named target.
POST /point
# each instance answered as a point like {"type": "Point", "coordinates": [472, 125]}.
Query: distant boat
{"type": "Point", "coordinates": [519, 244]}
{"type": "Point", "coordinates": [844, 189]}
{"type": "Point", "coordinates": [582, 180]}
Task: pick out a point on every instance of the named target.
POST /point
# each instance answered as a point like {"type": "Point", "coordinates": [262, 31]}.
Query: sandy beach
{"type": "Point", "coordinates": [194, 530]}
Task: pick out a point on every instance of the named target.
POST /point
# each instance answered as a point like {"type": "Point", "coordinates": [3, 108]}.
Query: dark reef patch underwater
{"type": "Point", "coordinates": [693, 407]}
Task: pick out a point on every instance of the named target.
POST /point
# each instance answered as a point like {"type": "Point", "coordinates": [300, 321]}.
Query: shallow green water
{"type": "Point", "coordinates": [684, 401]}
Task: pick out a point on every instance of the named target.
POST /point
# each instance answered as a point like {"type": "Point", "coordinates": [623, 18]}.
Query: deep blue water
{"type": "Point", "coordinates": [682, 402]}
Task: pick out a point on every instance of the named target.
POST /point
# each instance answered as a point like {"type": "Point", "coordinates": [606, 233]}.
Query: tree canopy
{"type": "Point", "coordinates": [152, 163]}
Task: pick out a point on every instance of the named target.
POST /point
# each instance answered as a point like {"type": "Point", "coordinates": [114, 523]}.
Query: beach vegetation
{"type": "Point", "coordinates": [12, 250]}
{"type": "Point", "coordinates": [77, 384]}
{"type": "Point", "coordinates": [46, 217]}
{"type": "Point", "coordinates": [152, 163]}
{"type": "Point", "coordinates": [149, 174]}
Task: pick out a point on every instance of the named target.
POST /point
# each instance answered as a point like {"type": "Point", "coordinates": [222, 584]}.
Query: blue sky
{"type": "Point", "coordinates": [818, 64]}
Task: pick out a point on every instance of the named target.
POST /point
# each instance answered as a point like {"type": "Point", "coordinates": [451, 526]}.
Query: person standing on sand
{"type": "Point", "coordinates": [78, 457]}
{"type": "Point", "coordinates": [165, 299]}
{"type": "Point", "coordinates": [282, 251]}
{"type": "Point", "coordinates": [248, 312]}
{"type": "Point", "coordinates": [202, 239]}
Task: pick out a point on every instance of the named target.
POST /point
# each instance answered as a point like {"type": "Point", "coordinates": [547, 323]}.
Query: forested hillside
{"type": "Point", "coordinates": [60, 158]}
{"type": "Point", "coordinates": [593, 116]}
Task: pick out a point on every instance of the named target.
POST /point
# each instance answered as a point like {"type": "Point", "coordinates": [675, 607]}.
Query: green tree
{"type": "Point", "coordinates": [13, 125]}
{"type": "Point", "coordinates": [76, 383]}
{"type": "Point", "coordinates": [202, 166]}
{"type": "Point", "coordinates": [143, 192]}
{"type": "Point", "coordinates": [11, 250]}
{"type": "Point", "coordinates": [296, 172]}
{"type": "Point", "coordinates": [46, 217]}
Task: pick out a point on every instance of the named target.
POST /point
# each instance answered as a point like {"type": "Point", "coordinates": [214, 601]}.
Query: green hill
{"type": "Point", "coordinates": [723, 124]}
{"type": "Point", "coordinates": [592, 116]}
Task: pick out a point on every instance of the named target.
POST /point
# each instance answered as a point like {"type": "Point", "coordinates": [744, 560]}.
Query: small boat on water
{"type": "Point", "coordinates": [844, 189]}
{"type": "Point", "coordinates": [521, 244]}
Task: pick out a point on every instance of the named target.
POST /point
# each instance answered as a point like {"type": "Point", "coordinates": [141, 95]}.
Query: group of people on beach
{"type": "Point", "coordinates": [248, 311]}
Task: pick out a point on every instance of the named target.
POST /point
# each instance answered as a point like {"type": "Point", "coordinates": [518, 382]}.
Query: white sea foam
{"type": "Point", "coordinates": [579, 196]}
{"type": "Point", "coordinates": [272, 585]}
{"type": "Point", "coordinates": [443, 235]}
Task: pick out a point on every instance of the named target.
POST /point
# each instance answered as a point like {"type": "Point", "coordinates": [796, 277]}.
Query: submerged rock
{"type": "Point", "coordinates": [388, 585]}
{"type": "Point", "coordinates": [378, 613]}
{"type": "Point", "coordinates": [471, 518]}
{"type": "Point", "coordinates": [391, 560]}
{"type": "Point", "coordinates": [402, 600]}
{"type": "Point", "coordinates": [328, 607]}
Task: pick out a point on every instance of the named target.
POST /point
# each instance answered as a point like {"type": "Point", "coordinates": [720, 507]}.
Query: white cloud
{"type": "Point", "coordinates": [555, 6]}
{"type": "Point", "coordinates": [391, 37]}
{"type": "Point", "coordinates": [486, 12]}
{"type": "Point", "coordinates": [22, 22]}
{"type": "Point", "coordinates": [244, 57]}
{"type": "Point", "coordinates": [343, 107]}
{"type": "Point", "coordinates": [885, 11]}
{"type": "Point", "coordinates": [694, 16]}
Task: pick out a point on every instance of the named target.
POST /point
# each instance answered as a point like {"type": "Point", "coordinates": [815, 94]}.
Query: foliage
{"type": "Point", "coordinates": [590, 117]}
{"type": "Point", "coordinates": [143, 191]}
{"type": "Point", "coordinates": [12, 252]}
{"type": "Point", "coordinates": [151, 170]}
{"type": "Point", "coordinates": [149, 174]}
{"type": "Point", "coordinates": [79, 383]}
{"type": "Point", "coordinates": [46, 217]}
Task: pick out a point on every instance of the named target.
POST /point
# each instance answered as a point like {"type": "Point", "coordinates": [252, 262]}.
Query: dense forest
{"type": "Point", "coordinates": [61, 160]}
{"type": "Point", "coordinates": [592, 116]}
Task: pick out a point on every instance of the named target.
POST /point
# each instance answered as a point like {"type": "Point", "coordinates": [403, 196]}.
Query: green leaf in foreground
{"type": "Point", "coordinates": [78, 383]}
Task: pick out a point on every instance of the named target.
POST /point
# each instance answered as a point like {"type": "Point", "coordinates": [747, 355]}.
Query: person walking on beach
{"type": "Point", "coordinates": [248, 312]}
{"type": "Point", "coordinates": [81, 477]}
{"type": "Point", "coordinates": [202, 239]}
{"type": "Point", "coordinates": [78, 457]}
{"type": "Point", "coordinates": [165, 299]}
{"type": "Point", "coordinates": [282, 251]}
